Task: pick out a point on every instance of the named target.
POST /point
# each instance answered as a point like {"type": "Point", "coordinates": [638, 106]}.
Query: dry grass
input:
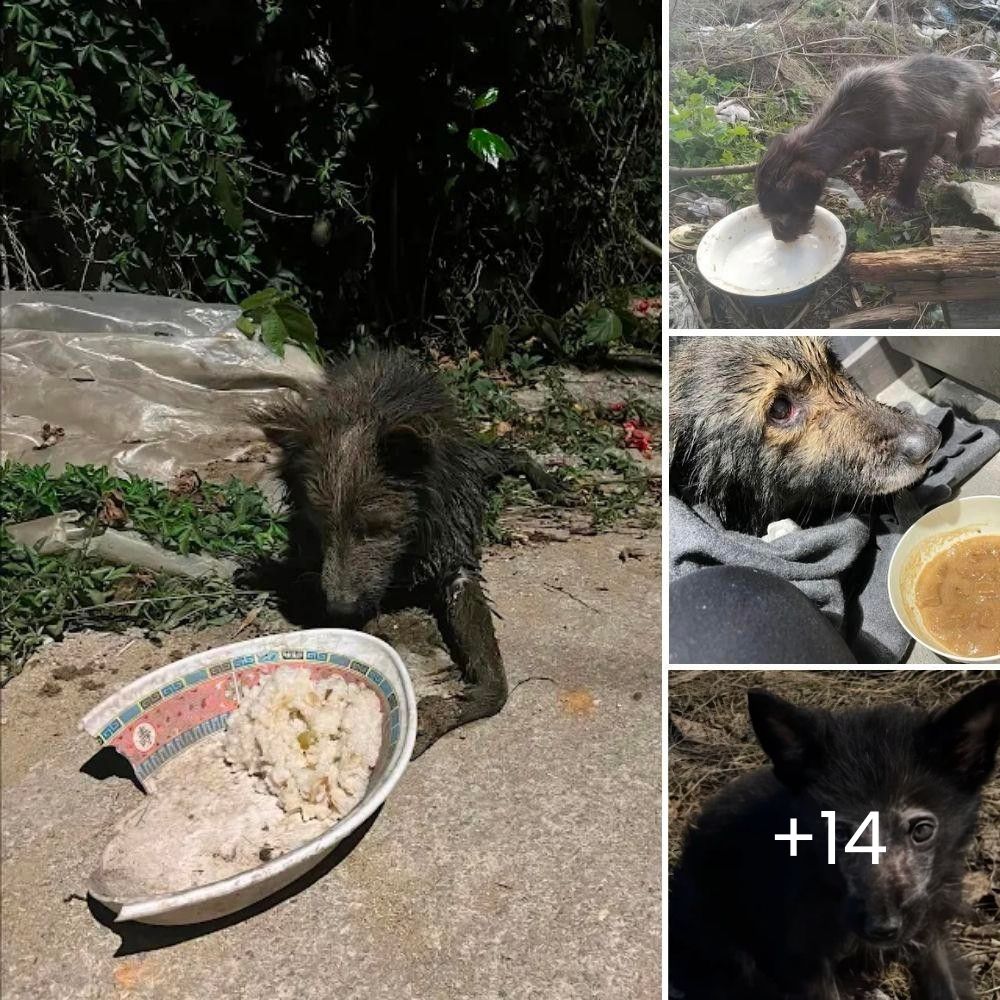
{"type": "Point", "coordinates": [711, 742]}
{"type": "Point", "coordinates": [795, 46]}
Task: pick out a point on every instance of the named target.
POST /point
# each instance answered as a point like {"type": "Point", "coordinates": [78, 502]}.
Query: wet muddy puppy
{"type": "Point", "coordinates": [763, 428]}
{"type": "Point", "coordinates": [388, 492]}
{"type": "Point", "coordinates": [909, 105]}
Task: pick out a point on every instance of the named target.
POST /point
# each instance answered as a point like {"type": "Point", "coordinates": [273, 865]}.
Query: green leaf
{"type": "Point", "coordinates": [225, 196]}
{"type": "Point", "coordinates": [273, 332]}
{"type": "Point", "coordinates": [299, 327]}
{"type": "Point", "coordinates": [485, 99]}
{"type": "Point", "coordinates": [265, 297]}
{"type": "Point", "coordinates": [246, 326]}
{"type": "Point", "coordinates": [602, 329]}
{"type": "Point", "coordinates": [489, 147]}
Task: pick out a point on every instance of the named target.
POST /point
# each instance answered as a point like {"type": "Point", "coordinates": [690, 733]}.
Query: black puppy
{"type": "Point", "coordinates": [749, 921]}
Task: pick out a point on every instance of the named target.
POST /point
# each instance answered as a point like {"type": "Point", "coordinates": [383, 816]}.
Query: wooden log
{"type": "Point", "coordinates": [878, 316]}
{"type": "Point", "coordinates": [947, 290]}
{"type": "Point", "coordinates": [980, 314]}
{"type": "Point", "coordinates": [928, 264]}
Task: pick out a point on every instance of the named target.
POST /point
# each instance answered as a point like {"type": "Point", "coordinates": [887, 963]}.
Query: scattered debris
{"type": "Point", "coordinates": [50, 435]}
{"type": "Point", "coordinates": [841, 189]}
{"type": "Point", "coordinates": [701, 206]}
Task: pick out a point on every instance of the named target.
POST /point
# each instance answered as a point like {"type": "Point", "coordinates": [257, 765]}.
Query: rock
{"type": "Point", "coordinates": [987, 153]}
{"type": "Point", "coordinates": [981, 197]}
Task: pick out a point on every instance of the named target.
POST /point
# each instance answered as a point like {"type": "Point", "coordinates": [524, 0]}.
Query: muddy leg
{"type": "Point", "coordinates": [917, 156]}
{"type": "Point", "coordinates": [937, 974]}
{"type": "Point", "coordinates": [466, 625]}
{"type": "Point", "coordinates": [873, 165]}
{"type": "Point", "coordinates": [966, 141]}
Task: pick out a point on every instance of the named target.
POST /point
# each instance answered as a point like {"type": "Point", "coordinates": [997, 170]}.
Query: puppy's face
{"type": "Point", "coordinates": [788, 189]}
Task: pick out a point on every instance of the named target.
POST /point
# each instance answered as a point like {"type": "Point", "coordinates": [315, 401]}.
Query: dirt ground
{"type": "Point", "coordinates": [518, 858]}
{"type": "Point", "coordinates": [711, 742]}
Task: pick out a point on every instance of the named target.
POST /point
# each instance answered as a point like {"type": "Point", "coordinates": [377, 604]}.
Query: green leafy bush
{"type": "Point", "coordinates": [399, 171]}
{"type": "Point", "coordinates": [128, 173]}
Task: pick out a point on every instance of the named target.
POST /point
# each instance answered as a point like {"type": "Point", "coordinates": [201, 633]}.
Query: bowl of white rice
{"type": "Point", "coordinates": [257, 758]}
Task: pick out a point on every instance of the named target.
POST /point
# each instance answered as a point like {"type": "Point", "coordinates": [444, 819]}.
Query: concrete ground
{"type": "Point", "coordinates": [518, 858]}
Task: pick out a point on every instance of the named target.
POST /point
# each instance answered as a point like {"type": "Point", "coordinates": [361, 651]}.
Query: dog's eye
{"type": "Point", "coordinates": [922, 831]}
{"type": "Point", "coordinates": [781, 410]}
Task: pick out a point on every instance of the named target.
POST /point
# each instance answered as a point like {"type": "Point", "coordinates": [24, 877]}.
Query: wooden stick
{"type": "Point", "coordinates": [742, 168]}
{"type": "Point", "coordinates": [878, 316]}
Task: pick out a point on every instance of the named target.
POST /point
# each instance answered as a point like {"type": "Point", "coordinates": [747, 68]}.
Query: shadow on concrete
{"type": "Point", "coordinates": [136, 937]}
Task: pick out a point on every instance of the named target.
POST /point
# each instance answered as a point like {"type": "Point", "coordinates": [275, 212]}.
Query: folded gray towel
{"type": "Point", "coordinates": [842, 566]}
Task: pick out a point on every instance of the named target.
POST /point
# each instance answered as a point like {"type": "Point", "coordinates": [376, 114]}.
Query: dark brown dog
{"type": "Point", "coordinates": [911, 105]}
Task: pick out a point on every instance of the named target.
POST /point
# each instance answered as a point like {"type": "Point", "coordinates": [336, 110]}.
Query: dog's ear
{"type": "Point", "coordinates": [806, 182]}
{"type": "Point", "coordinates": [789, 735]}
{"type": "Point", "coordinates": [962, 740]}
{"type": "Point", "coordinates": [405, 449]}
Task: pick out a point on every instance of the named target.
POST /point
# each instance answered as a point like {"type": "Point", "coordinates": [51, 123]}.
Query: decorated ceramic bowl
{"type": "Point", "coordinates": [156, 719]}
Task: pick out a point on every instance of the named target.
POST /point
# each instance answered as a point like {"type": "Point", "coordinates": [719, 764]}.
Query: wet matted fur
{"type": "Point", "coordinates": [911, 104]}
{"type": "Point", "coordinates": [388, 491]}
{"type": "Point", "coordinates": [767, 427]}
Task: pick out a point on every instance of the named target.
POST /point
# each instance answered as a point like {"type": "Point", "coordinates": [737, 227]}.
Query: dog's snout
{"type": "Point", "coordinates": [882, 929]}
{"type": "Point", "coordinates": [917, 445]}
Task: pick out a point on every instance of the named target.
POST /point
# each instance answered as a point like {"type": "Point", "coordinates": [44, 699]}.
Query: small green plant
{"type": "Point", "coordinates": [524, 367]}
{"type": "Point", "coordinates": [44, 596]}
{"type": "Point", "coordinates": [884, 233]}
{"type": "Point", "coordinates": [232, 520]}
{"type": "Point", "coordinates": [275, 318]}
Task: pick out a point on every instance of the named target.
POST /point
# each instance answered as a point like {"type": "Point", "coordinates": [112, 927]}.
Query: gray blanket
{"type": "Point", "coordinates": [842, 566]}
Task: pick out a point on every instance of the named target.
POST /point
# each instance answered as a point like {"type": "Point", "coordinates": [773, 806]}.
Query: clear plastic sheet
{"type": "Point", "coordinates": [145, 385]}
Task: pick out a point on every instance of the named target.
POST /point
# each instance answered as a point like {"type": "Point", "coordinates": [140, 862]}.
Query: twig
{"type": "Point", "coordinates": [648, 245]}
{"type": "Point", "coordinates": [274, 212]}
{"type": "Point", "coordinates": [792, 48]}
{"type": "Point", "coordinates": [690, 297]}
{"type": "Point", "coordinates": [572, 597]}
{"type": "Point", "coordinates": [621, 167]}
{"type": "Point", "coordinates": [742, 168]}
{"type": "Point", "coordinates": [525, 680]}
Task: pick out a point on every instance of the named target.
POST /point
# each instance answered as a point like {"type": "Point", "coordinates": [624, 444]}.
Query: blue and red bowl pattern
{"type": "Point", "coordinates": [168, 719]}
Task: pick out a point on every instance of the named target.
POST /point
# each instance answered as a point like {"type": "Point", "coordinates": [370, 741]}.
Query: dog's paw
{"type": "Point", "coordinates": [435, 717]}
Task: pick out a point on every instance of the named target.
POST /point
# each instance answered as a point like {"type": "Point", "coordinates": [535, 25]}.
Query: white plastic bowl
{"type": "Point", "coordinates": [724, 249]}
{"type": "Point", "coordinates": [134, 722]}
{"type": "Point", "coordinates": [935, 531]}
